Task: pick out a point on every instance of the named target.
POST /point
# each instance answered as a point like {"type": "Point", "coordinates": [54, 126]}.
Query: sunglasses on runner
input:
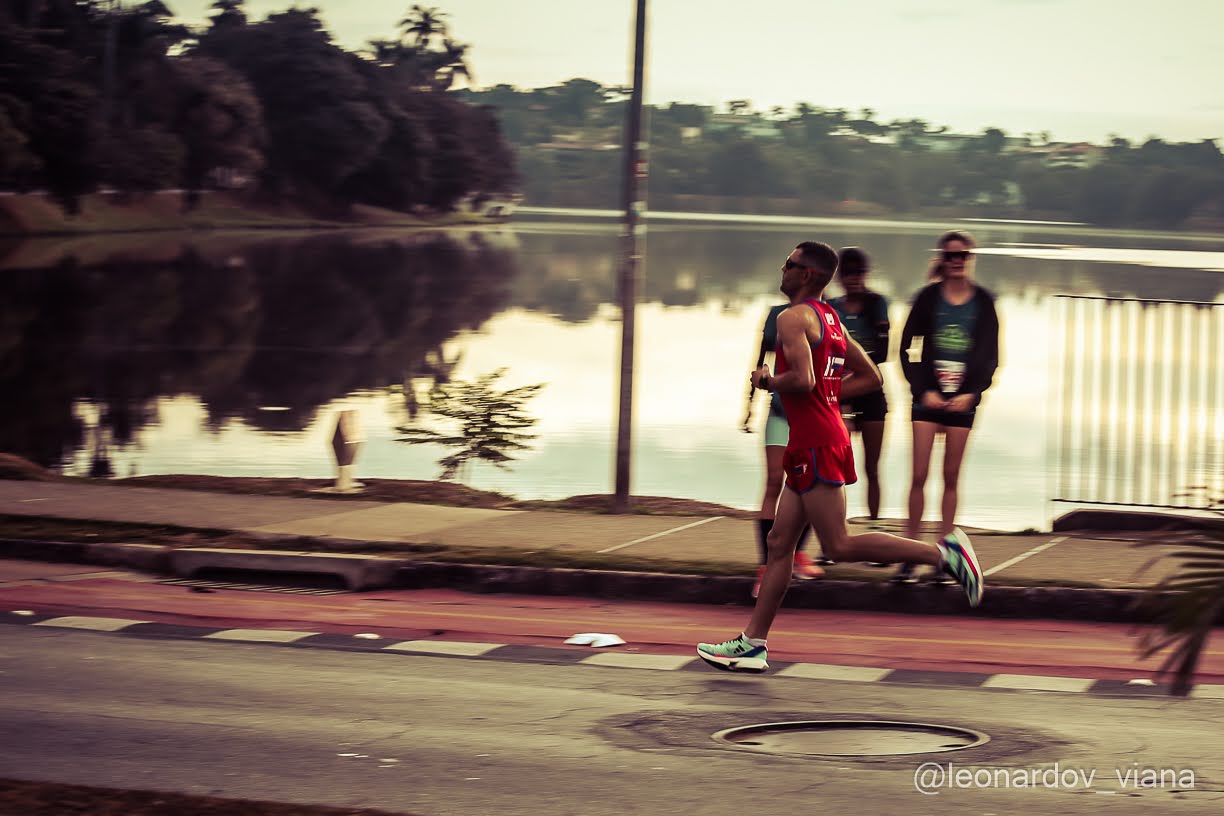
{"type": "Point", "coordinates": [956, 255]}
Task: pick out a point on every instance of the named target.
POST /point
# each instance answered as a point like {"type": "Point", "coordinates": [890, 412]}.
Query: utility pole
{"type": "Point", "coordinates": [635, 211]}
{"type": "Point", "coordinates": [109, 57]}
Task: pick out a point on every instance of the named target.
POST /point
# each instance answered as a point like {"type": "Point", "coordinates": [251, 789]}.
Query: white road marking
{"type": "Point", "coordinates": [93, 624]}
{"type": "Point", "coordinates": [443, 647]}
{"type": "Point", "coordinates": [660, 535]}
{"type": "Point", "coordinates": [1038, 549]}
{"type": "Point", "coordinates": [1037, 682]}
{"type": "Point", "coordinates": [1208, 692]}
{"type": "Point", "coordinates": [638, 661]}
{"type": "Point", "coordinates": [259, 635]}
{"type": "Point", "coordinates": [825, 671]}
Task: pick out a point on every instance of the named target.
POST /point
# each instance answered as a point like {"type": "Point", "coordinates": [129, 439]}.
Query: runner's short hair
{"type": "Point", "coordinates": [820, 257]}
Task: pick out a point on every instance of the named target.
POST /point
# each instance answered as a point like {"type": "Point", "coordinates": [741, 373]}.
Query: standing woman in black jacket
{"type": "Point", "coordinates": [959, 327]}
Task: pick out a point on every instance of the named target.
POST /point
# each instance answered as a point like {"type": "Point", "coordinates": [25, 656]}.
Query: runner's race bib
{"type": "Point", "coordinates": [950, 374]}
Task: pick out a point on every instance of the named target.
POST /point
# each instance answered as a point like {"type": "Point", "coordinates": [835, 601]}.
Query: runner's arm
{"type": "Point", "coordinates": [792, 337]}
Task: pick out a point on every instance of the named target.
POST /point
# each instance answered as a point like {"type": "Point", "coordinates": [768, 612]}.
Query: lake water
{"type": "Point", "coordinates": [232, 354]}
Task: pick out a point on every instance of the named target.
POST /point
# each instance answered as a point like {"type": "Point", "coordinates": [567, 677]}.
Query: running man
{"type": "Point", "coordinates": [813, 357]}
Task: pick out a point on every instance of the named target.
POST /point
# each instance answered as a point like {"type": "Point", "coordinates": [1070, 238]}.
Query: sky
{"type": "Point", "coordinates": [1077, 69]}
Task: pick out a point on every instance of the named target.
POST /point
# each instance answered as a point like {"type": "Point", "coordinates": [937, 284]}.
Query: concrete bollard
{"type": "Point", "coordinates": [346, 441]}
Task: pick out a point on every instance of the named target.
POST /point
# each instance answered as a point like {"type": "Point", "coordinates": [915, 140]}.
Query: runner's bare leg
{"type": "Point", "coordinates": [788, 522]}
{"type": "Point", "coordinates": [826, 511]}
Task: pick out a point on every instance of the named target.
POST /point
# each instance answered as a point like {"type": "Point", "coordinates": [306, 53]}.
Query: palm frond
{"type": "Point", "coordinates": [1186, 605]}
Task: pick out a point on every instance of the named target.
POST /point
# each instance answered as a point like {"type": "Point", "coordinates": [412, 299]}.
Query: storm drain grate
{"type": "Point", "coordinates": [192, 582]}
{"type": "Point", "coordinates": [851, 738]}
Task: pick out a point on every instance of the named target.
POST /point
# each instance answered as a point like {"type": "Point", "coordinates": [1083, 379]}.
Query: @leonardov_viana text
{"type": "Point", "coordinates": [932, 778]}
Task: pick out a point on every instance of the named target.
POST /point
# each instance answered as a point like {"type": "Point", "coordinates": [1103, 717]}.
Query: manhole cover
{"type": "Point", "coordinates": [851, 738]}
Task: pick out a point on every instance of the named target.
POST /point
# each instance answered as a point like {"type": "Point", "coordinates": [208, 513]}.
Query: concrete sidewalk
{"type": "Point", "coordinates": [1086, 574]}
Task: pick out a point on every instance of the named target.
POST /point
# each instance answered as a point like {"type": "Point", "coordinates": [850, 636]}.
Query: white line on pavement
{"type": "Point", "coordinates": [1022, 556]}
{"type": "Point", "coordinates": [824, 671]}
{"type": "Point", "coordinates": [259, 635]}
{"type": "Point", "coordinates": [1209, 691]}
{"type": "Point", "coordinates": [1037, 682]}
{"type": "Point", "coordinates": [94, 624]}
{"type": "Point", "coordinates": [629, 660]}
{"type": "Point", "coordinates": [660, 535]}
{"type": "Point", "coordinates": [443, 647]}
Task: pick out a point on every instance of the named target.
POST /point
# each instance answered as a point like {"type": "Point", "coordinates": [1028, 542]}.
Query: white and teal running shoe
{"type": "Point", "coordinates": [734, 655]}
{"type": "Point", "coordinates": [961, 561]}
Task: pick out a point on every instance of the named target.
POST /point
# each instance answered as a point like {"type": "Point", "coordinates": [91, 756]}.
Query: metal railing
{"type": "Point", "coordinates": [1138, 402]}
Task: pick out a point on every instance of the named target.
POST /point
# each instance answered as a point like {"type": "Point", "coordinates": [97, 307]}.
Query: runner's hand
{"type": "Point", "coordinates": [763, 371]}
{"type": "Point", "coordinates": [932, 399]}
{"type": "Point", "coordinates": [961, 403]}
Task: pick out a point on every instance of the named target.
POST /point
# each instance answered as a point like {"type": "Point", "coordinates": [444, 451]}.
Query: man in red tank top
{"type": "Point", "coordinates": [820, 366]}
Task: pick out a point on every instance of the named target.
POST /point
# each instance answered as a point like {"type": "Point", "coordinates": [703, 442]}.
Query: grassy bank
{"type": "Point", "coordinates": [34, 215]}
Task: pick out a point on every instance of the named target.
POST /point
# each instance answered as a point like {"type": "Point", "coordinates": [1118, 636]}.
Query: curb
{"type": "Point", "coordinates": [606, 659]}
{"type": "Point", "coordinates": [1051, 603]}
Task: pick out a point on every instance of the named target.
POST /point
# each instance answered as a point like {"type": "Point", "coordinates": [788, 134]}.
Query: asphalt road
{"type": "Point", "coordinates": [450, 736]}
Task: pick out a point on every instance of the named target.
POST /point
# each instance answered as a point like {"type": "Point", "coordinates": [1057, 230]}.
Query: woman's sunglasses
{"type": "Point", "coordinates": [956, 255]}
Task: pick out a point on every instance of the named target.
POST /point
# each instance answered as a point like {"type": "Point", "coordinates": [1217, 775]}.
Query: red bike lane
{"type": "Point", "coordinates": [899, 641]}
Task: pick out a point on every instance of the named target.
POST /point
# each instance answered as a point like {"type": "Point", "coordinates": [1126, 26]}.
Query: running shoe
{"type": "Point", "coordinates": [736, 654]}
{"type": "Point", "coordinates": [756, 585]}
{"type": "Point", "coordinates": [823, 560]}
{"type": "Point", "coordinates": [804, 569]}
{"type": "Point", "coordinates": [962, 562]}
{"type": "Point", "coordinates": [905, 575]}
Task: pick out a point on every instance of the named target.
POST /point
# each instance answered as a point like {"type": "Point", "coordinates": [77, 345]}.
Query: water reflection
{"type": "Point", "coordinates": [288, 324]}
{"type": "Point", "coordinates": [231, 354]}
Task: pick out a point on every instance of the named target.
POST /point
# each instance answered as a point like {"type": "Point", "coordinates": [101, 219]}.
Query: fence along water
{"type": "Point", "coordinates": [1138, 402]}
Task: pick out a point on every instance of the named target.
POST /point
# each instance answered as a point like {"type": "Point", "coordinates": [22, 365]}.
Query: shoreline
{"type": "Point", "coordinates": [35, 216]}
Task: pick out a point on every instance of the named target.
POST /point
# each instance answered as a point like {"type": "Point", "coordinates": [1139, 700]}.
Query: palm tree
{"type": "Point", "coordinates": [423, 24]}
{"type": "Point", "coordinates": [451, 62]}
{"type": "Point", "coordinates": [1188, 603]}
{"type": "Point", "coordinates": [483, 423]}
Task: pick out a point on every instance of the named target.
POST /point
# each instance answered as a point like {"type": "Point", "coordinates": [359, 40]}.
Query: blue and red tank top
{"type": "Point", "coordinates": [815, 417]}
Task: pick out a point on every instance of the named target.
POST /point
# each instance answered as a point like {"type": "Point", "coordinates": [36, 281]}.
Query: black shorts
{"type": "Point", "coordinates": [948, 419]}
{"type": "Point", "coordinates": [867, 407]}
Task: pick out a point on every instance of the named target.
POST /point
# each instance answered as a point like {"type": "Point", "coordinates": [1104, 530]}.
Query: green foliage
{"type": "Point", "coordinates": [52, 111]}
{"type": "Point", "coordinates": [814, 160]}
{"type": "Point", "coordinates": [1188, 603]}
{"type": "Point", "coordinates": [483, 423]}
{"type": "Point", "coordinates": [122, 95]}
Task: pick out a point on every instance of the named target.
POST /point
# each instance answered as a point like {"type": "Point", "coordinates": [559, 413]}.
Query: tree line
{"type": "Point", "coordinates": [812, 160]}
{"type": "Point", "coordinates": [93, 95]}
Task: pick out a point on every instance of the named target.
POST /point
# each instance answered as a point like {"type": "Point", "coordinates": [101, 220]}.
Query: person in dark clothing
{"type": "Point", "coordinates": [956, 319]}
{"type": "Point", "coordinates": [776, 433]}
{"type": "Point", "coordinates": [864, 313]}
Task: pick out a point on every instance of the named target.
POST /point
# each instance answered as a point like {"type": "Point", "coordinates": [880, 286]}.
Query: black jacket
{"type": "Point", "coordinates": [983, 355]}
